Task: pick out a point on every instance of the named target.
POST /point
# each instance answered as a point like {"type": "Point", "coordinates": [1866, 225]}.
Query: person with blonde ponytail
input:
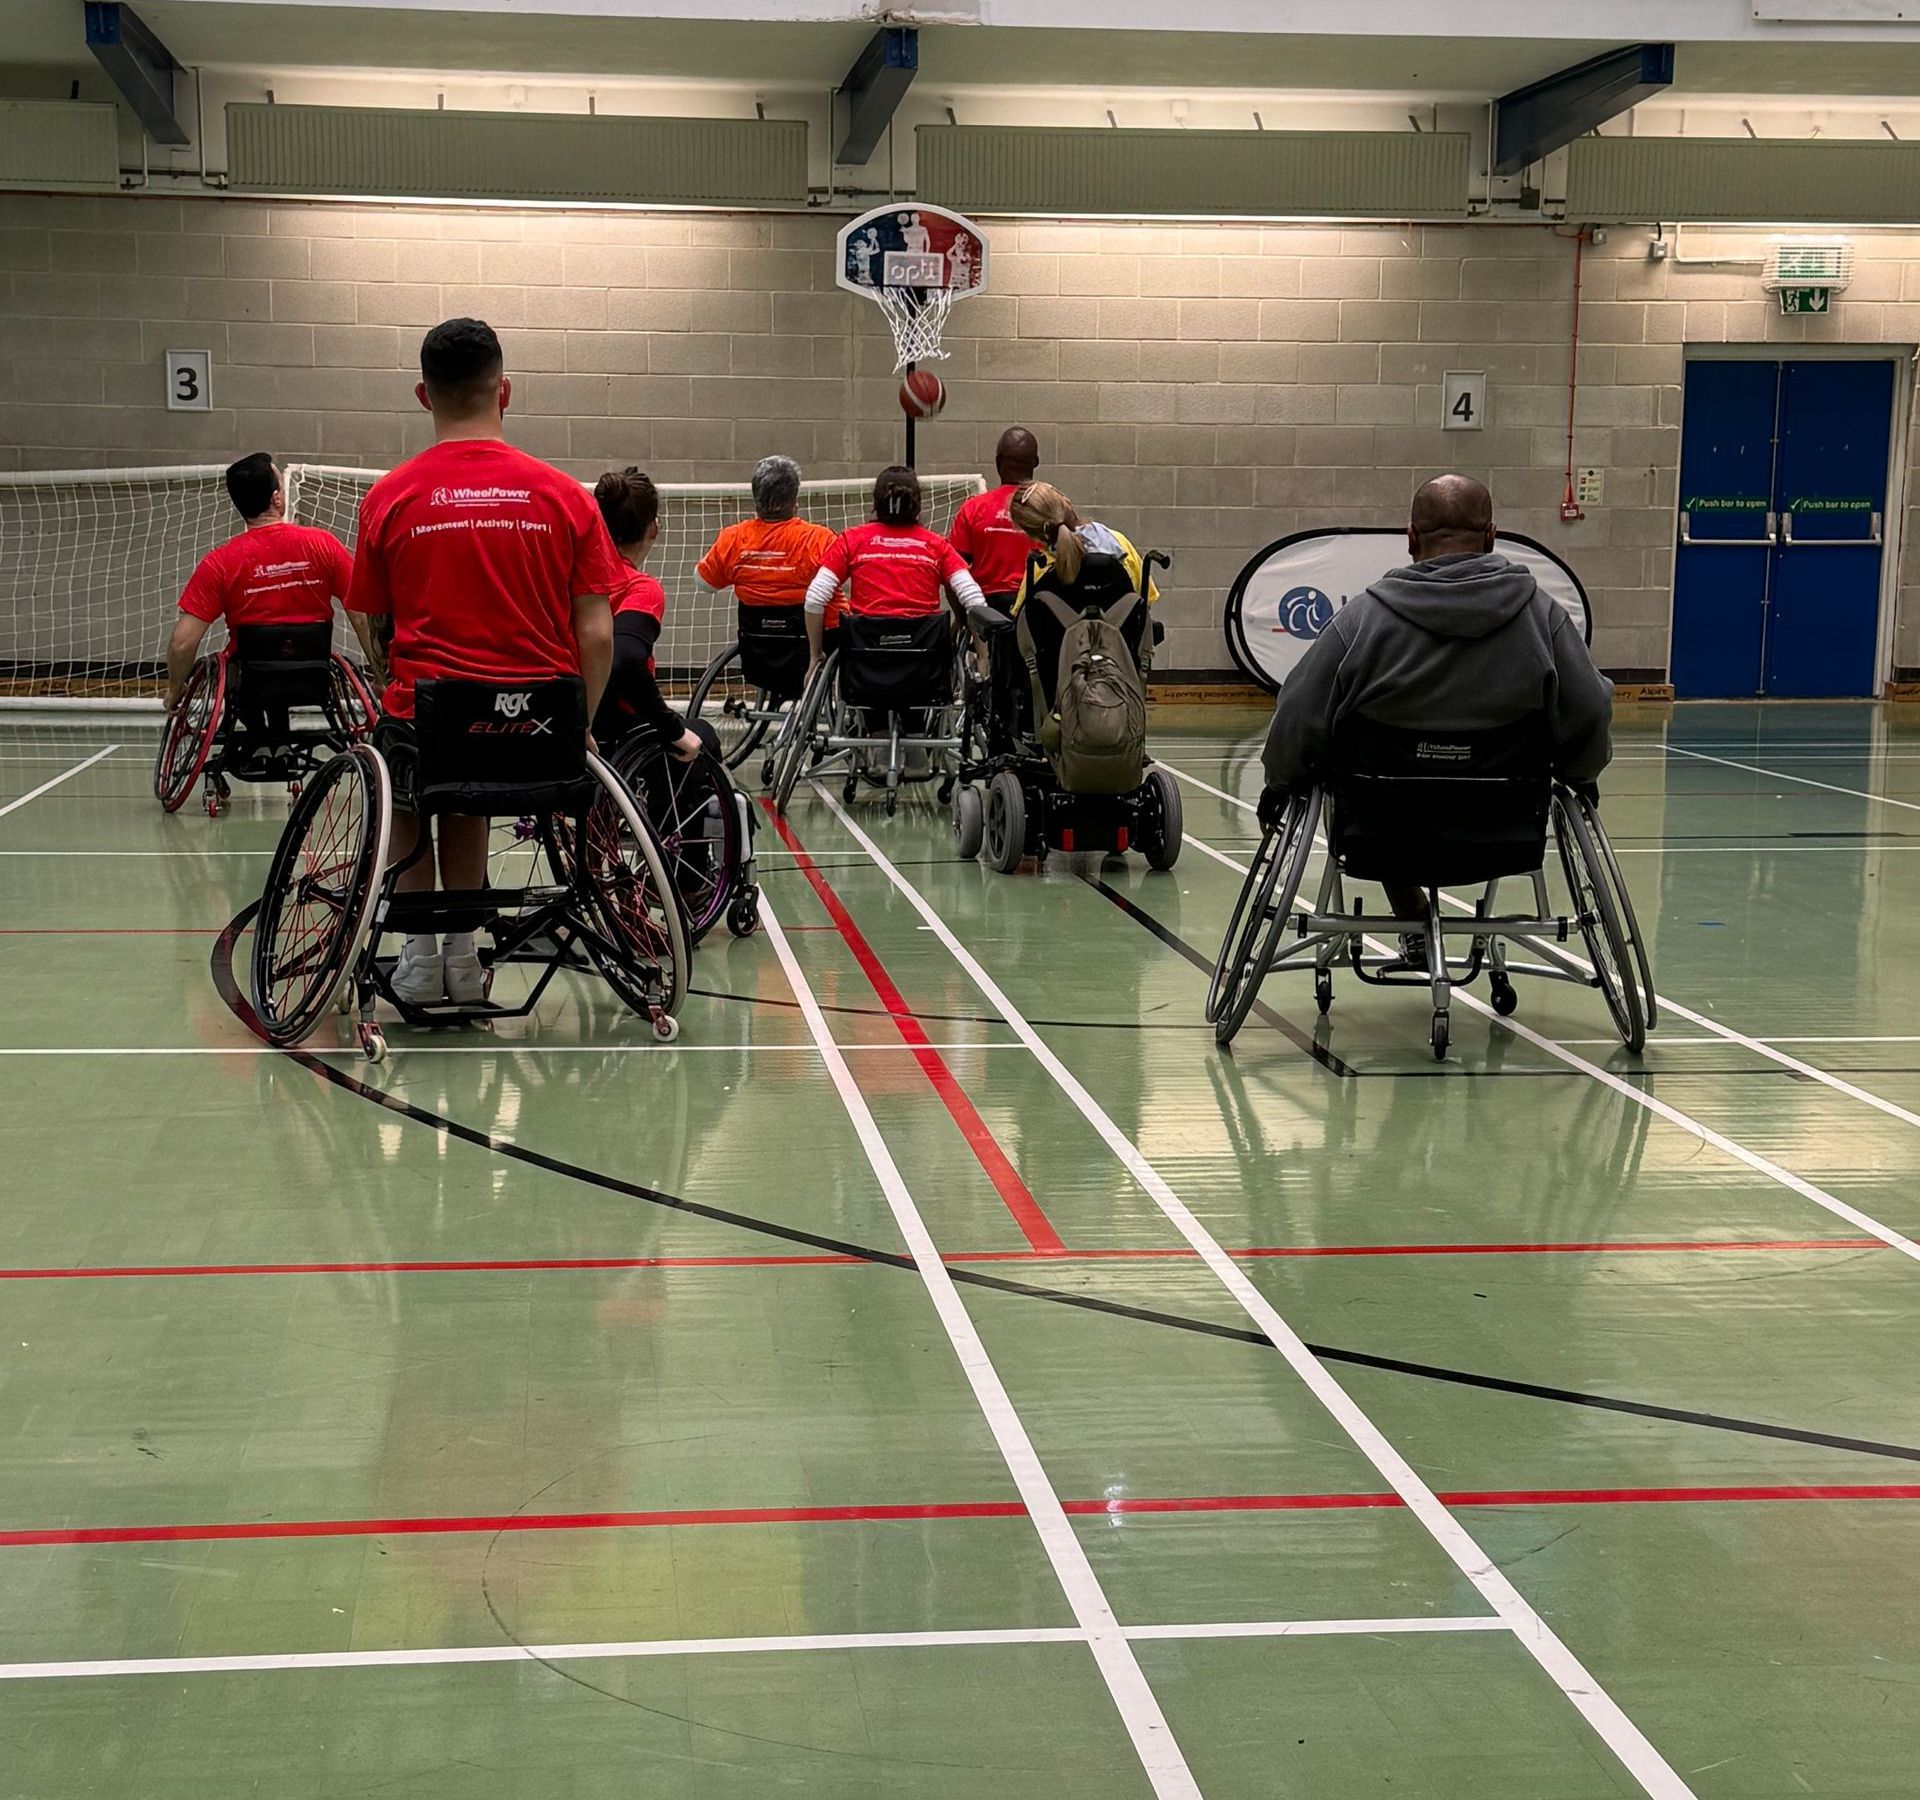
{"type": "Point", "coordinates": [1050, 520]}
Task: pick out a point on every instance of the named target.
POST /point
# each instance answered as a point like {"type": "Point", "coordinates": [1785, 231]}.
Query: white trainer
{"type": "Point", "coordinates": [466, 978]}
{"type": "Point", "coordinates": [420, 980]}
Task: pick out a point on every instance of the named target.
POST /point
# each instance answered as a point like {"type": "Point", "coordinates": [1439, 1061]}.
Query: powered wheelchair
{"type": "Point", "coordinates": [1469, 809]}
{"type": "Point", "coordinates": [234, 720]}
{"type": "Point", "coordinates": [597, 891]}
{"type": "Point", "coordinates": [748, 694]}
{"type": "Point", "coordinates": [882, 706]}
{"type": "Point", "coordinates": [1009, 798]}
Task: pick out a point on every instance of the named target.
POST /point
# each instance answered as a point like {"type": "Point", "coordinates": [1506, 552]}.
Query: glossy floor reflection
{"type": "Point", "coordinates": [346, 1454]}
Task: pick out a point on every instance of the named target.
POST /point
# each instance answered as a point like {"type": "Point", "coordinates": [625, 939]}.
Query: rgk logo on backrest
{"type": "Point", "coordinates": [512, 708]}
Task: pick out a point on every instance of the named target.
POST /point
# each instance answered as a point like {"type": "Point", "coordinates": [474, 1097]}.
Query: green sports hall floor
{"type": "Point", "coordinates": [547, 1414]}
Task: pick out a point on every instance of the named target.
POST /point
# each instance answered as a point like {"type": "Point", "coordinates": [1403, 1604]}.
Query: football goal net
{"type": "Point", "coordinates": [92, 562]}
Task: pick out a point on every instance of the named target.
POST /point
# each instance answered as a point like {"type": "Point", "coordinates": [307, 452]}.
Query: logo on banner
{"type": "Point", "coordinates": [1305, 612]}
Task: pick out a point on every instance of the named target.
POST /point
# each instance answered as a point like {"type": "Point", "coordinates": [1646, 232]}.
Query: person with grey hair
{"type": "Point", "coordinates": [767, 560]}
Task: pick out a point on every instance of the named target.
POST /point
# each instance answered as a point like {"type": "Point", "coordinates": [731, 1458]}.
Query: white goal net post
{"type": "Point", "coordinates": [92, 562]}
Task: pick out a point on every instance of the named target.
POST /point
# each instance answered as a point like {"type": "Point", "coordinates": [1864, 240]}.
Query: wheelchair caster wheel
{"type": "Point", "coordinates": [666, 1027]}
{"type": "Point", "coordinates": [1440, 1033]}
{"type": "Point", "coordinates": [293, 790]}
{"type": "Point", "coordinates": [743, 916]}
{"type": "Point", "coordinates": [766, 773]}
{"type": "Point", "coordinates": [343, 1001]}
{"type": "Point", "coordinates": [946, 789]}
{"type": "Point", "coordinates": [1323, 991]}
{"type": "Point", "coordinates": [373, 1043]}
{"type": "Point", "coordinates": [969, 822]}
{"type": "Point", "coordinates": [848, 789]}
{"type": "Point", "coordinates": [1505, 1000]}
{"type": "Point", "coordinates": [213, 806]}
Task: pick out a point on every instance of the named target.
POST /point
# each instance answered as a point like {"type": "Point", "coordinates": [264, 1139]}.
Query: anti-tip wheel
{"type": "Point", "coordinates": [666, 1027]}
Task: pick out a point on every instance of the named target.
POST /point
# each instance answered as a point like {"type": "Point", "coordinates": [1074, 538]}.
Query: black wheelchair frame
{"type": "Point", "coordinates": [749, 694]}
{"type": "Point", "coordinates": [488, 751]}
{"type": "Point", "coordinates": [262, 670]}
{"type": "Point", "coordinates": [1024, 810]}
{"type": "Point", "coordinates": [854, 686]}
{"type": "Point", "coordinates": [1394, 826]}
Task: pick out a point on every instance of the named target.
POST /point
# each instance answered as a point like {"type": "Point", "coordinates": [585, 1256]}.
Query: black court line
{"type": "Point", "coordinates": [238, 1004]}
{"type": "Point", "coordinates": [1286, 1027]}
{"type": "Point", "coordinates": [880, 1012]}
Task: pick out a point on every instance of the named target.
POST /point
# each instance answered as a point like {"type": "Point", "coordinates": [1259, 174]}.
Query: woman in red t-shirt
{"type": "Point", "coordinates": [894, 567]}
{"type": "Point", "coordinates": [630, 507]}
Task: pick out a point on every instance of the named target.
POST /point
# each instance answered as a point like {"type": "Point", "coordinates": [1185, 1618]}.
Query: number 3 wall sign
{"type": "Point", "coordinates": [189, 381]}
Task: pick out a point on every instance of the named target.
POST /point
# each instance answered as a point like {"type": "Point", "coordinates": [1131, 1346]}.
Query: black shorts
{"type": "Point", "coordinates": [399, 747]}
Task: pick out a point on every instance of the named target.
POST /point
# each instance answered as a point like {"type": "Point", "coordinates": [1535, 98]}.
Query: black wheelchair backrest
{"type": "Point", "coordinates": [283, 665]}
{"type": "Point", "coordinates": [497, 747]}
{"type": "Point", "coordinates": [895, 663]}
{"type": "Point", "coordinates": [773, 649]}
{"type": "Point", "coordinates": [1440, 805]}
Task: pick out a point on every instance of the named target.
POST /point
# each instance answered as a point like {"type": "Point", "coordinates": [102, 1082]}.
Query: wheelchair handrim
{"type": "Point", "coordinates": [171, 786]}
{"type": "Point", "coordinates": [1599, 924]}
{"type": "Point", "coordinates": [613, 831]}
{"type": "Point", "coordinates": [690, 792]}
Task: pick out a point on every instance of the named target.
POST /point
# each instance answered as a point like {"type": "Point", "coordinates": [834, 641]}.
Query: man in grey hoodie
{"type": "Point", "coordinates": [1461, 640]}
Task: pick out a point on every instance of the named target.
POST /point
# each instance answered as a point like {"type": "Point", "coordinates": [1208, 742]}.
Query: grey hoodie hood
{"type": "Point", "coordinates": [1457, 596]}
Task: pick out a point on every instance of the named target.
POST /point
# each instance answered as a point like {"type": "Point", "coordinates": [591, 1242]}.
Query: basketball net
{"type": "Point", "coordinates": [917, 316]}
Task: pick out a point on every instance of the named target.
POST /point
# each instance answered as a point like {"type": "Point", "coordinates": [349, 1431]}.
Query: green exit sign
{"type": "Point", "coordinates": [1805, 300]}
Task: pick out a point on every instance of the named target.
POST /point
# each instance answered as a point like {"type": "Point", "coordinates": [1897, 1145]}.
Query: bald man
{"type": "Point", "coordinates": [1462, 639]}
{"type": "Point", "coordinates": [990, 544]}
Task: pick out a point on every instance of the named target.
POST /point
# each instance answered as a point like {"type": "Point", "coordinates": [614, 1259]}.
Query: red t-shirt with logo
{"type": "Point", "coordinates": [894, 571]}
{"type": "Point", "coordinates": [995, 548]}
{"type": "Point", "coordinates": [270, 575]}
{"type": "Point", "coordinates": [478, 550]}
{"type": "Point", "coordinates": [637, 591]}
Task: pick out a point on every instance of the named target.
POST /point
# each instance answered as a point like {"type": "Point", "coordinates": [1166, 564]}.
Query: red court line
{"type": "Point", "coordinates": [244, 1530]}
{"type": "Point", "coordinates": [508, 1264]}
{"type": "Point", "coordinates": [1034, 1225]}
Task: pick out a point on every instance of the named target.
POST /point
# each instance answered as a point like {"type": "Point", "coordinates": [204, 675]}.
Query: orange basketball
{"type": "Point", "coordinates": [923, 395]}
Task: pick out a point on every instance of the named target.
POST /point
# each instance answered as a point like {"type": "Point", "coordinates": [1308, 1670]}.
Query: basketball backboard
{"type": "Point", "coordinates": [912, 246]}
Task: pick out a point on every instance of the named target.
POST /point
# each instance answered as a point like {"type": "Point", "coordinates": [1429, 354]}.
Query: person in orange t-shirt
{"type": "Point", "coordinates": [768, 560]}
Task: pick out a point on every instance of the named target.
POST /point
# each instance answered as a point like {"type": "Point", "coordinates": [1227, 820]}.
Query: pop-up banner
{"type": "Point", "coordinates": [1287, 595]}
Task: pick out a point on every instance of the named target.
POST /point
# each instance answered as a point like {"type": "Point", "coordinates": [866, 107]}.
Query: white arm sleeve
{"type": "Point", "coordinates": [704, 585]}
{"type": "Point", "coordinates": [967, 591]}
{"type": "Point", "coordinates": [821, 589]}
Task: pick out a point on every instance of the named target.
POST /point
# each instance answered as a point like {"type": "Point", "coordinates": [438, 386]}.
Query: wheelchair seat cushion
{"type": "Point", "coordinates": [489, 747]}
{"type": "Point", "coordinates": [1441, 805]}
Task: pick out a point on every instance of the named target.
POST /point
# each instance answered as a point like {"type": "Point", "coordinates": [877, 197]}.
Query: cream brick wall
{"type": "Point", "coordinates": [1204, 388]}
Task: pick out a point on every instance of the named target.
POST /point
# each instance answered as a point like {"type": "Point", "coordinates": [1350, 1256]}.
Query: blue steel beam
{"type": "Point", "coordinates": [1549, 114]}
{"type": "Point", "coordinates": [141, 66]}
{"type": "Point", "coordinates": [874, 88]}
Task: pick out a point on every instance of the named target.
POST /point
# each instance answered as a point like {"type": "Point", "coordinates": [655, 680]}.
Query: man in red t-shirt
{"type": "Point", "coordinates": [273, 573]}
{"type": "Point", "coordinates": [989, 542]}
{"type": "Point", "coordinates": [475, 562]}
{"type": "Point", "coordinates": [894, 567]}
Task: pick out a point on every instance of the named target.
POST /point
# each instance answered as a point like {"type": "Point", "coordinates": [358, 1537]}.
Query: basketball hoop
{"type": "Point", "coordinates": [913, 261]}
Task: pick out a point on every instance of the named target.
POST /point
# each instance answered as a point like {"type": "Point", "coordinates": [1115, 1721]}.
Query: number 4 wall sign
{"type": "Point", "coordinates": [1465, 400]}
{"type": "Point", "coordinates": [189, 381]}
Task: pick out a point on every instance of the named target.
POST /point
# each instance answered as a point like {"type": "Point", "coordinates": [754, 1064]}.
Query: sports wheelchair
{"type": "Point", "coordinates": [886, 691]}
{"type": "Point", "coordinates": [705, 827]}
{"type": "Point", "coordinates": [483, 750]}
{"type": "Point", "coordinates": [1436, 808]}
{"type": "Point", "coordinates": [233, 721]}
{"type": "Point", "coordinates": [1025, 809]}
{"type": "Point", "coordinates": [748, 693]}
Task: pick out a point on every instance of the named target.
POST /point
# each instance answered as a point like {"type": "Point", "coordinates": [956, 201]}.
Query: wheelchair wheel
{"type": "Point", "coordinates": [352, 704]}
{"type": "Point", "coordinates": [796, 754]}
{"type": "Point", "coordinates": [616, 866]}
{"type": "Point", "coordinates": [1623, 907]}
{"type": "Point", "coordinates": [723, 700]}
{"type": "Point", "coordinates": [1165, 830]}
{"type": "Point", "coordinates": [1006, 822]}
{"type": "Point", "coordinates": [1615, 973]}
{"type": "Point", "coordinates": [1260, 916]}
{"type": "Point", "coordinates": [969, 822]}
{"type": "Point", "coordinates": [188, 739]}
{"type": "Point", "coordinates": [692, 811]}
{"type": "Point", "coordinates": [320, 893]}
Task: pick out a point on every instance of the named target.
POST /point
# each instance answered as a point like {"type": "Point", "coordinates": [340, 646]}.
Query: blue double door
{"type": "Point", "coordinates": [1783, 502]}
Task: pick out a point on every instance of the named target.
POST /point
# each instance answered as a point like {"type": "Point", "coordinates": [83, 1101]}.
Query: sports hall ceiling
{"type": "Point", "coordinates": [265, 34]}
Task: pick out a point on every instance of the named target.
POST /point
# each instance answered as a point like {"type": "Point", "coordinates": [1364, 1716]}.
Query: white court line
{"type": "Point", "coordinates": [1725, 1033]}
{"type": "Point", "coordinates": [1672, 1114]}
{"type": "Point", "coordinates": [1153, 1740]}
{"type": "Point", "coordinates": [1802, 780]}
{"type": "Point", "coordinates": [194, 855]}
{"type": "Point", "coordinates": [78, 768]}
{"type": "Point", "coordinates": [1625, 1739]}
{"type": "Point", "coordinates": [735, 1646]}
